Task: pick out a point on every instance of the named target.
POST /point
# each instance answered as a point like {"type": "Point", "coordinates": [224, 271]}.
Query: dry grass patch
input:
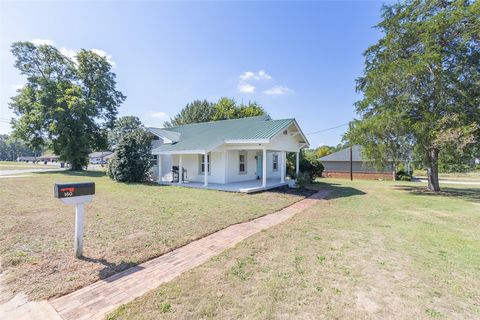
{"type": "Point", "coordinates": [372, 251]}
{"type": "Point", "coordinates": [125, 225]}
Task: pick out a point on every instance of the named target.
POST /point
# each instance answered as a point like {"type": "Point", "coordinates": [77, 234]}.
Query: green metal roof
{"type": "Point", "coordinates": [209, 135]}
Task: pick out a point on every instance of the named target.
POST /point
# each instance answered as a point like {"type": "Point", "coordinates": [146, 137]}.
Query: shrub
{"type": "Point", "coordinates": [303, 180]}
{"type": "Point", "coordinates": [131, 159]}
{"type": "Point", "coordinates": [308, 164]}
{"type": "Point", "coordinates": [401, 175]}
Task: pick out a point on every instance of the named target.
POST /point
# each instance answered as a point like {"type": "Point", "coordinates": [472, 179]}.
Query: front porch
{"type": "Point", "coordinates": [249, 186]}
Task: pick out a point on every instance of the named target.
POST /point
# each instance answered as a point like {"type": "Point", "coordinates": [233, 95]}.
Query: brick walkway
{"type": "Point", "coordinates": [97, 299]}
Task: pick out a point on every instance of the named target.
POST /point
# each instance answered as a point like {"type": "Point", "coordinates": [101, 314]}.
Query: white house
{"type": "Point", "coordinates": [98, 157]}
{"type": "Point", "coordinates": [244, 155]}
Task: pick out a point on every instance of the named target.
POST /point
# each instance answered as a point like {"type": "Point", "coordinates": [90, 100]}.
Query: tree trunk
{"type": "Point", "coordinates": [76, 167]}
{"type": "Point", "coordinates": [432, 170]}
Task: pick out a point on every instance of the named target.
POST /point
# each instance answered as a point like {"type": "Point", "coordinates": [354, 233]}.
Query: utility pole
{"type": "Point", "coordinates": [351, 164]}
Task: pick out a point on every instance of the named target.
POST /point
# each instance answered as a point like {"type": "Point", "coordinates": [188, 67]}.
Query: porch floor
{"type": "Point", "coordinates": [242, 186]}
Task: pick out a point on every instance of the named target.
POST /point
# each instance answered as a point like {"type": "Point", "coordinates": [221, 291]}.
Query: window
{"type": "Point", "coordinates": [242, 162]}
{"type": "Point", "coordinates": [275, 162]}
{"type": "Point", "coordinates": [202, 163]}
{"type": "Point", "coordinates": [153, 160]}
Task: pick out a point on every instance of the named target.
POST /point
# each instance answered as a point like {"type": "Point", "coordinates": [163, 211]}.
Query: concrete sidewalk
{"type": "Point", "coordinates": [97, 299]}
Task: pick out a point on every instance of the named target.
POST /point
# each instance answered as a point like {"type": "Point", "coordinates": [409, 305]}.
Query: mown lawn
{"type": "Point", "coordinates": [374, 250]}
{"type": "Point", "coordinates": [126, 224]}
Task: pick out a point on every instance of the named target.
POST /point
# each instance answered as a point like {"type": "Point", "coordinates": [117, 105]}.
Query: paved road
{"type": "Point", "coordinates": [20, 171]}
{"type": "Point", "coordinates": [469, 182]}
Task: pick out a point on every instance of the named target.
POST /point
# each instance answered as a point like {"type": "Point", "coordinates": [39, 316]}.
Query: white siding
{"type": "Point", "coordinates": [233, 169]}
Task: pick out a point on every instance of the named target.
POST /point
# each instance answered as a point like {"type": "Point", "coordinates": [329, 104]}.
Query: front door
{"type": "Point", "coordinates": [259, 166]}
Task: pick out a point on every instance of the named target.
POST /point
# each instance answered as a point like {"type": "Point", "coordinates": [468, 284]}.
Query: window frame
{"type": "Point", "coordinates": [275, 162]}
{"type": "Point", "coordinates": [245, 161]}
{"type": "Point", "coordinates": [201, 164]}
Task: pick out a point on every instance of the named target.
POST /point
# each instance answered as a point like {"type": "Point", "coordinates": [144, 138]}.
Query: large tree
{"type": "Point", "coordinates": [196, 111]}
{"type": "Point", "coordinates": [421, 83]}
{"type": "Point", "coordinates": [223, 109]}
{"type": "Point", "coordinates": [66, 104]}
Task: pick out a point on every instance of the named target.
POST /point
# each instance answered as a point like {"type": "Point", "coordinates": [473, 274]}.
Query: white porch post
{"type": "Point", "coordinates": [180, 170]}
{"type": "Point", "coordinates": [283, 167]}
{"type": "Point", "coordinates": [225, 156]}
{"type": "Point", "coordinates": [297, 163]}
{"type": "Point", "coordinates": [205, 169]}
{"type": "Point", "coordinates": [264, 168]}
{"type": "Point", "coordinates": [159, 167]}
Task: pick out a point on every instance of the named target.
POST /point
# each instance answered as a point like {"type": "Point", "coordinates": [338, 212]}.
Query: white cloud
{"type": "Point", "coordinates": [159, 115]}
{"type": "Point", "coordinates": [263, 75]}
{"type": "Point", "coordinates": [246, 88]}
{"type": "Point", "coordinates": [38, 42]}
{"type": "Point", "coordinates": [277, 90]}
{"type": "Point", "coordinates": [70, 53]}
{"type": "Point", "coordinates": [260, 75]}
{"type": "Point", "coordinates": [106, 55]}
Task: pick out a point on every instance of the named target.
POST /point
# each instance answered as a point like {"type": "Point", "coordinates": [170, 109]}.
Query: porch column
{"type": "Point", "coordinates": [205, 170]}
{"type": "Point", "coordinates": [225, 156]}
{"type": "Point", "coordinates": [264, 168]}
{"type": "Point", "coordinates": [159, 165]}
{"type": "Point", "coordinates": [297, 163]}
{"type": "Point", "coordinates": [283, 167]}
{"type": "Point", "coordinates": [180, 170]}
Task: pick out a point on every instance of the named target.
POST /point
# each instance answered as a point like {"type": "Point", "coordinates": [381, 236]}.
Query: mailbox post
{"type": "Point", "coordinates": [76, 194]}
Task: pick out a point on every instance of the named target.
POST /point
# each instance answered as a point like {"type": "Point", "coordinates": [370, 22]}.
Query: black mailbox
{"type": "Point", "coordinates": [68, 190]}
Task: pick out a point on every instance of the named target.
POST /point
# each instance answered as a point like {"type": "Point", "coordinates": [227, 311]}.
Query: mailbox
{"type": "Point", "coordinates": [76, 194]}
{"type": "Point", "coordinates": [68, 190]}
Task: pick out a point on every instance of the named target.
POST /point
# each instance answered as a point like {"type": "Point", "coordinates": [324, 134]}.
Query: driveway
{"type": "Point", "coordinates": [474, 182]}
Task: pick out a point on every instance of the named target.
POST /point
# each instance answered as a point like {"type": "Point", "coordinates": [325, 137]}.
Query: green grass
{"type": "Point", "coordinates": [125, 224]}
{"type": "Point", "coordinates": [374, 250]}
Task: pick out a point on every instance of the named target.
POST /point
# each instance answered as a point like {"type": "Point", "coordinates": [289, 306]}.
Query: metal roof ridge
{"type": "Point", "coordinates": [216, 121]}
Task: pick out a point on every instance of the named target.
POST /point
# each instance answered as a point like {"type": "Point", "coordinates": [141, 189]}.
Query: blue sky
{"type": "Point", "coordinates": [296, 59]}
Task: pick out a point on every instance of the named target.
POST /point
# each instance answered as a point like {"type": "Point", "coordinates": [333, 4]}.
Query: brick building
{"type": "Point", "coordinates": [337, 165]}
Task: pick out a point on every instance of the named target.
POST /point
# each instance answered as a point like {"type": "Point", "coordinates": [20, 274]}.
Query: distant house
{"type": "Point", "coordinates": [243, 155]}
{"type": "Point", "coordinates": [337, 165]}
{"type": "Point", "coordinates": [49, 158]}
{"type": "Point", "coordinates": [26, 159]}
{"type": "Point", "coordinates": [108, 157]}
{"type": "Point", "coordinates": [98, 157]}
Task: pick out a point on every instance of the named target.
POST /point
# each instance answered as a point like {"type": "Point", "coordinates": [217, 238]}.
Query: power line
{"type": "Point", "coordinates": [323, 130]}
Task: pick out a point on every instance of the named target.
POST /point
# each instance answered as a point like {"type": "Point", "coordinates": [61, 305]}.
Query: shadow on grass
{"type": "Point", "coordinates": [338, 190]}
{"type": "Point", "coordinates": [469, 194]}
{"type": "Point", "coordinates": [119, 270]}
{"type": "Point", "coordinates": [69, 173]}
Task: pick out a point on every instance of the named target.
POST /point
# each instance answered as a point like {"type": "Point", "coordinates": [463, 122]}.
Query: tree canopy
{"type": "Point", "coordinates": [11, 148]}
{"type": "Point", "coordinates": [121, 127]}
{"type": "Point", "coordinates": [66, 104]}
{"type": "Point", "coordinates": [421, 83]}
{"type": "Point", "coordinates": [204, 111]}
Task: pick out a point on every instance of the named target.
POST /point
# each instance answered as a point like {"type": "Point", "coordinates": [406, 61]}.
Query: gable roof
{"type": "Point", "coordinates": [209, 135]}
{"type": "Point", "coordinates": [344, 155]}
